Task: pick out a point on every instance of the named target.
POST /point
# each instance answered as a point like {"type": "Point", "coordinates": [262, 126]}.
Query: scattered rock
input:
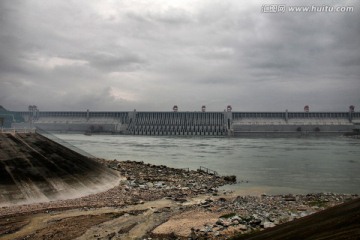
{"type": "Point", "coordinates": [231, 178]}
{"type": "Point", "coordinates": [268, 225]}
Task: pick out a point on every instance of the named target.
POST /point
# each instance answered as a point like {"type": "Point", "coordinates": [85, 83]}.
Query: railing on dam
{"type": "Point", "coordinates": [238, 115]}
{"type": "Point", "coordinates": [17, 130]}
{"type": "Point", "coordinates": [289, 115]}
{"type": "Point", "coordinates": [75, 115]}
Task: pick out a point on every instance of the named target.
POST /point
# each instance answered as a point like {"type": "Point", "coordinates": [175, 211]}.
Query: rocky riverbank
{"type": "Point", "coordinates": [140, 182]}
{"type": "Point", "coordinates": [184, 182]}
{"type": "Point", "coordinates": [169, 204]}
{"type": "Point", "coordinates": [248, 214]}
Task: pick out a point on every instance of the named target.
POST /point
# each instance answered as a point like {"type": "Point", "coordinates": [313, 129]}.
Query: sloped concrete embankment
{"type": "Point", "coordinates": [35, 169]}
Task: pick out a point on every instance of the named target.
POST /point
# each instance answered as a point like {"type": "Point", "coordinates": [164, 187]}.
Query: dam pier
{"type": "Point", "coordinates": [199, 123]}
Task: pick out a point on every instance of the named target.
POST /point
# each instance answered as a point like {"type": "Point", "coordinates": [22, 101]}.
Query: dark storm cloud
{"type": "Point", "coordinates": [151, 55]}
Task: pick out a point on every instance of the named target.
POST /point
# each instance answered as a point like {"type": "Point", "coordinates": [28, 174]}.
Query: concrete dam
{"type": "Point", "coordinates": [201, 123]}
{"type": "Point", "coordinates": [34, 168]}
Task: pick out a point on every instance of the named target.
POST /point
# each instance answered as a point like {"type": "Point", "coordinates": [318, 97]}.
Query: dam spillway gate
{"type": "Point", "coordinates": [178, 123]}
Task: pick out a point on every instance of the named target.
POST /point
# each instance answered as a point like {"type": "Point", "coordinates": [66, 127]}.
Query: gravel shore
{"type": "Point", "coordinates": [248, 214]}
{"type": "Point", "coordinates": [186, 205]}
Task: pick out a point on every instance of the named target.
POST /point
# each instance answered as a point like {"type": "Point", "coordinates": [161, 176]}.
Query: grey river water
{"type": "Point", "coordinates": [269, 165]}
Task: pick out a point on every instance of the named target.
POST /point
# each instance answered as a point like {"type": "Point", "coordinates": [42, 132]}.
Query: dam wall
{"type": "Point", "coordinates": [192, 123]}
{"type": "Point", "coordinates": [299, 123]}
{"type": "Point", "coordinates": [57, 121]}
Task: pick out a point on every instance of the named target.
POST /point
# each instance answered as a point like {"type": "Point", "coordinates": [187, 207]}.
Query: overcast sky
{"type": "Point", "coordinates": [150, 55]}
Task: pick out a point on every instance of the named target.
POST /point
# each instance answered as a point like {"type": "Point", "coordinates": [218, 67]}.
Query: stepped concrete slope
{"type": "Point", "coordinates": [35, 169]}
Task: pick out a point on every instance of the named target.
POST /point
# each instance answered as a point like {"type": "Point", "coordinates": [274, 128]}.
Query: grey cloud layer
{"type": "Point", "coordinates": [76, 55]}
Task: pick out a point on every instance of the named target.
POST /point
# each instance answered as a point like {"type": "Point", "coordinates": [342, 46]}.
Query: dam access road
{"type": "Point", "coordinates": [150, 202]}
